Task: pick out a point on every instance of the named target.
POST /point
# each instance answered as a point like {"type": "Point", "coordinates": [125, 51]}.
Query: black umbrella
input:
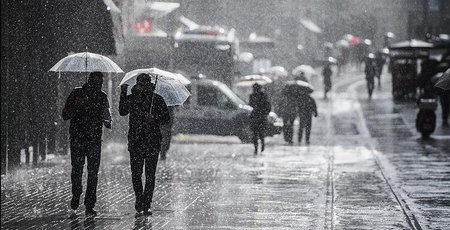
{"type": "Point", "coordinates": [297, 87]}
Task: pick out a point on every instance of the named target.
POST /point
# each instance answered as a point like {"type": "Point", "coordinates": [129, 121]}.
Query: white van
{"type": "Point", "coordinates": [215, 109]}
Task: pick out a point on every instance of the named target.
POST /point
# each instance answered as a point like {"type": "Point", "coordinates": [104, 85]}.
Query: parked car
{"type": "Point", "coordinates": [215, 109]}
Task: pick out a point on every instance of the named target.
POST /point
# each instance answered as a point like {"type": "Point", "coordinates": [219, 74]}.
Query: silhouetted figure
{"type": "Point", "coordinates": [87, 108]}
{"type": "Point", "coordinates": [379, 61]}
{"type": "Point", "coordinates": [306, 109]}
{"type": "Point", "coordinates": [429, 68]}
{"type": "Point", "coordinates": [288, 112]}
{"type": "Point", "coordinates": [327, 72]}
{"type": "Point", "coordinates": [148, 112]}
{"type": "Point", "coordinates": [258, 118]}
{"type": "Point", "coordinates": [371, 72]}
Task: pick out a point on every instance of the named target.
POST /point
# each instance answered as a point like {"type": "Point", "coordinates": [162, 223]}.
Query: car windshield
{"type": "Point", "coordinates": [231, 95]}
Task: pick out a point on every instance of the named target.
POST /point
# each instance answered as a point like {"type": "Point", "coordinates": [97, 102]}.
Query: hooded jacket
{"type": "Point", "coordinates": [87, 107]}
{"type": "Point", "coordinates": [144, 128]}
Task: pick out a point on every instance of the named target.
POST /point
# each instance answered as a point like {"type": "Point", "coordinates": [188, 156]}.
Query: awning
{"type": "Point", "coordinates": [310, 25]}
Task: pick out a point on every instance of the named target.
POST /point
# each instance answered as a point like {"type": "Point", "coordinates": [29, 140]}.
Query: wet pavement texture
{"type": "Point", "coordinates": [365, 169]}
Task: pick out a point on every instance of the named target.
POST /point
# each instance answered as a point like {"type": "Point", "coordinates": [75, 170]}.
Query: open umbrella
{"type": "Point", "coordinates": [276, 72]}
{"type": "Point", "coordinates": [86, 62]}
{"type": "Point", "coordinates": [297, 87]}
{"type": "Point", "coordinates": [250, 80]}
{"type": "Point", "coordinates": [168, 85]}
{"type": "Point", "coordinates": [444, 81]}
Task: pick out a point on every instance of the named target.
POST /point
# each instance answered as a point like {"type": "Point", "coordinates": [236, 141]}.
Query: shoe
{"type": "Point", "coordinates": [262, 148]}
{"type": "Point", "coordinates": [147, 212]}
{"type": "Point", "coordinates": [307, 142]}
{"type": "Point", "coordinates": [138, 205]}
{"type": "Point", "coordinates": [75, 203]}
{"type": "Point", "coordinates": [91, 212]}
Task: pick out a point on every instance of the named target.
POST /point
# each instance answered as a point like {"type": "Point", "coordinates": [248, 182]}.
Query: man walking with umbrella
{"type": "Point", "coordinates": [148, 111]}
{"type": "Point", "coordinates": [87, 108]}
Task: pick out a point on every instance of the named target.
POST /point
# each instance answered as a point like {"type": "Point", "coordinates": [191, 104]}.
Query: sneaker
{"type": "Point", "coordinates": [74, 203]}
{"type": "Point", "coordinates": [91, 212]}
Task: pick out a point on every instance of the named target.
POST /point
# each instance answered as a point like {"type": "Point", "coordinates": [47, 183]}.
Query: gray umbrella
{"type": "Point", "coordinates": [444, 81]}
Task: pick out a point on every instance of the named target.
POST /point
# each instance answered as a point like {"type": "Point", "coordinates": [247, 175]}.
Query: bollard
{"type": "Point", "coordinates": [23, 157]}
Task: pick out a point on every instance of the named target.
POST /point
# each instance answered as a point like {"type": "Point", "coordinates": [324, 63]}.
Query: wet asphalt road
{"type": "Point", "coordinates": [366, 168]}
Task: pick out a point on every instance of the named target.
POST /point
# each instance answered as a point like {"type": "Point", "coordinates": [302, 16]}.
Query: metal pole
{"type": "Point", "coordinates": [86, 64]}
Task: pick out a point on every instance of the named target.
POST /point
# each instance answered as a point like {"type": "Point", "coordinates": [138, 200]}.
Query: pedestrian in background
{"type": "Point", "coordinates": [261, 108]}
{"type": "Point", "coordinates": [288, 112]}
{"type": "Point", "coordinates": [379, 61]}
{"type": "Point", "coordinates": [371, 72]}
{"type": "Point", "coordinates": [306, 109]}
{"type": "Point", "coordinates": [87, 108]}
{"type": "Point", "coordinates": [148, 112]}
{"type": "Point", "coordinates": [327, 72]}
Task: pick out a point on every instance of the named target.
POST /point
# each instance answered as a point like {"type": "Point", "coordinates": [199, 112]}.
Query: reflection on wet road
{"type": "Point", "coordinates": [365, 169]}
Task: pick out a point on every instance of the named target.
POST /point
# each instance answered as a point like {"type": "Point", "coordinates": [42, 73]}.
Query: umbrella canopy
{"type": "Point", "coordinates": [168, 85]}
{"type": "Point", "coordinates": [307, 69]}
{"type": "Point", "coordinates": [277, 71]}
{"type": "Point", "coordinates": [250, 80]}
{"type": "Point", "coordinates": [86, 62]}
{"type": "Point", "coordinates": [411, 44]}
{"type": "Point", "coordinates": [297, 87]}
{"type": "Point", "coordinates": [444, 81]}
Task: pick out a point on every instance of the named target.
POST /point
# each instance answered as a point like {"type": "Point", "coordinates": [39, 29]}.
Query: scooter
{"type": "Point", "coordinates": [426, 117]}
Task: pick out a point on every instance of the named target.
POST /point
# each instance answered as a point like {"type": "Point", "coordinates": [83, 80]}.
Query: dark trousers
{"type": "Point", "coordinates": [305, 124]}
{"type": "Point", "coordinates": [258, 128]}
{"type": "Point", "coordinates": [139, 157]}
{"type": "Point", "coordinates": [80, 150]}
{"type": "Point", "coordinates": [445, 106]}
{"type": "Point", "coordinates": [288, 128]}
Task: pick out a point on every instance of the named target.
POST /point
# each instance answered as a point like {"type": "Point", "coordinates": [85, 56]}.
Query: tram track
{"type": "Point", "coordinates": [409, 215]}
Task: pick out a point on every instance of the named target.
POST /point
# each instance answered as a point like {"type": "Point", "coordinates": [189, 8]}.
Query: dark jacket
{"type": "Point", "coordinates": [261, 106]}
{"type": "Point", "coordinates": [370, 69]}
{"type": "Point", "coordinates": [307, 106]}
{"type": "Point", "coordinates": [87, 109]}
{"type": "Point", "coordinates": [144, 131]}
